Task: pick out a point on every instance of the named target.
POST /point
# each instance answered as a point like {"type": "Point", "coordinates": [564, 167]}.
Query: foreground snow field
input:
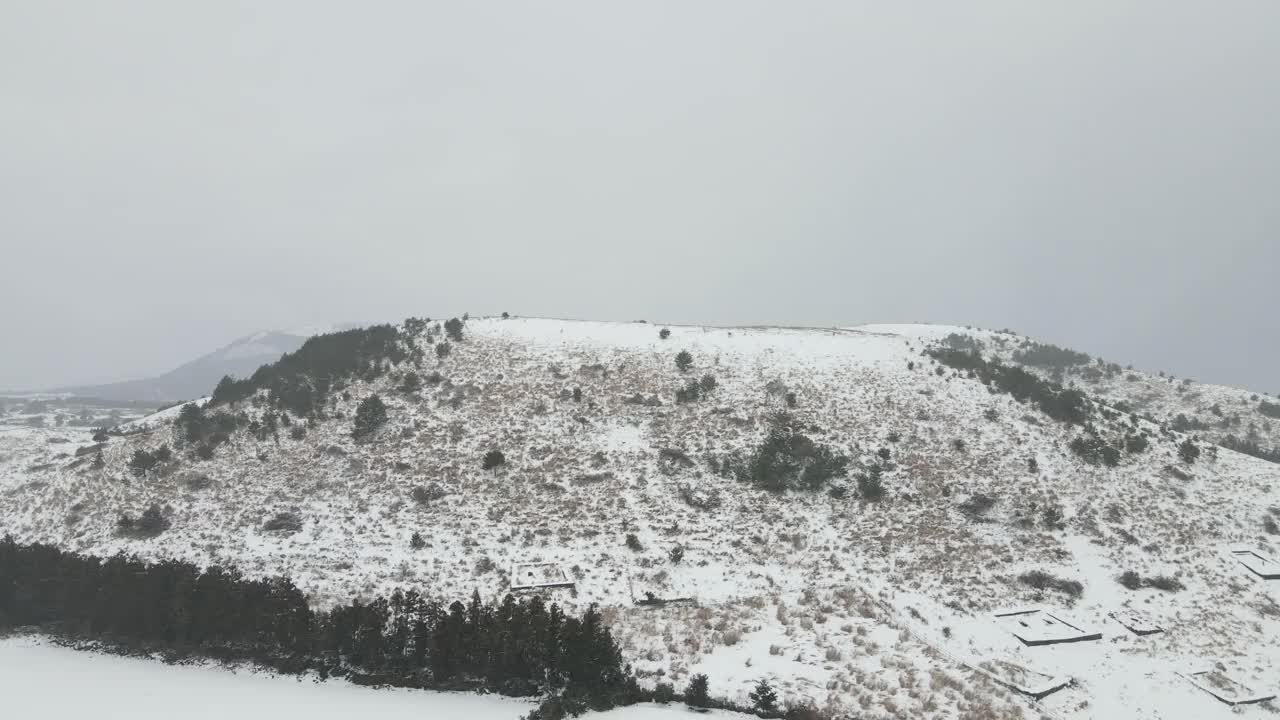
{"type": "Point", "coordinates": [40, 681]}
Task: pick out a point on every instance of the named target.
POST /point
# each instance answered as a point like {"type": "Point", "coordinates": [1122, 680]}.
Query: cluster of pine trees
{"type": "Point", "coordinates": [1064, 405]}
{"type": "Point", "coordinates": [408, 640]}
{"type": "Point", "coordinates": [787, 459]}
{"type": "Point", "coordinates": [1250, 446]}
{"type": "Point", "coordinates": [301, 380]}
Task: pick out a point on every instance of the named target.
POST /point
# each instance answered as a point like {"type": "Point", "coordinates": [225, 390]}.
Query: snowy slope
{"type": "Point", "coordinates": [881, 609]}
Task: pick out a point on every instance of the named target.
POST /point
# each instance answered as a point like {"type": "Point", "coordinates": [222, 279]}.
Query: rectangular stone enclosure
{"type": "Point", "coordinates": [1038, 626]}
{"type": "Point", "coordinates": [539, 576]}
{"type": "Point", "coordinates": [1259, 564]}
{"type": "Point", "coordinates": [1023, 679]}
{"type": "Point", "coordinates": [1225, 688]}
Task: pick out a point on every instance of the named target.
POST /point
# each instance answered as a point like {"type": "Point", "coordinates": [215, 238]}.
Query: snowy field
{"type": "Point", "coordinates": [35, 678]}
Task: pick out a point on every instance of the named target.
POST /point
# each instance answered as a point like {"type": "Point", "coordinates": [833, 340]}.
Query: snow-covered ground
{"type": "Point", "coordinates": [880, 609]}
{"type": "Point", "coordinates": [40, 681]}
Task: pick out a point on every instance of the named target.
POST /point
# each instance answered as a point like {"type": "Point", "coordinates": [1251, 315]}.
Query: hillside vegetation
{"type": "Point", "coordinates": [838, 511]}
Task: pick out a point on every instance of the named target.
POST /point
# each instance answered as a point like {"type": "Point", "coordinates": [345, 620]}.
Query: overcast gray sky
{"type": "Point", "coordinates": [1103, 174]}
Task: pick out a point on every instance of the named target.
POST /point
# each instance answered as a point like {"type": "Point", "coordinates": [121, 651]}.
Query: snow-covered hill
{"type": "Point", "coordinates": [884, 609]}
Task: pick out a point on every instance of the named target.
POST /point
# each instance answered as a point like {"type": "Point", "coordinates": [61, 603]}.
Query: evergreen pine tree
{"type": "Point", "coordinates": [453, 328]}
{"type": "Point", "coordinates": [370, 415]}
{"type": "Point", "coordinates": [764, 699]}
{"type": "Point", "coordinates": [696, 695]}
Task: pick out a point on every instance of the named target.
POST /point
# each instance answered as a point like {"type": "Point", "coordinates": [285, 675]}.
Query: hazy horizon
{"type": "Point", "coordinates": [1099, 175]}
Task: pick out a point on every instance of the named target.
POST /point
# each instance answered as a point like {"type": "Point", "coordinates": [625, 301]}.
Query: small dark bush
{"type": "Point", "coordinates": [416, 542]}
{"type": "Point", "coordinates": [1051, 517]}
{"type": "Point", "coordinates": [1188, 451]}
{"type": "Point", "coordinates": [1033, 467]}
{"type": "Point", "coordinates": [976, 507]}
{"type": "Point", "coordinates": [150, 524]}
{"type": "Point", "coordinates": [884, 453]}
{"type": "Point", "coordinates": [1269, 524]}
{"type": "Point", "coordinates": [424, 495]}
{"type": "Point", "coordinates": [684, 360]}
{"type": "Point", "coordinates": [707, 383]}
{"type": "Point", "coordinates": [676, 554]}
{"type": "Point", "coordinates": [493, 459]}
{"type": "Point", "coordinates": [1134, 444]}
{"type": "Point", "coordinates": [991, 415]}
{"type": "Point", "coordinates": [411, 383]}
{"type": "Point", "coordinates": [297, 432]}
{"type": "Point", "coordinates": [1165, 583]}
{"type": "Point", "coordinates": [443, 349]}
{"type": "Point", "coordinates": [633, 542]}
{"type": "Point", "coordinates": [285, 522]}
{"type": "Point", "coordinates": [958, 444]}
{"type": "Point", "coordinates": [870, 485]}
{"type": "Point", "coordinates": [664, 333]}
{"type": "Point", "coordinates": [1133, 581]}
{"type": "Point", "coordinates": [1041, 580]}
{"type": "Point", "coordinates": [692, 392]}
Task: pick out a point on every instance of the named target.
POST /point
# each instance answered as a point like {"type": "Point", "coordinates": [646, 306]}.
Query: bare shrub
{"type": "Point", "coordinates": [1134, 581]}
{"type": "Point", "coordinates": [1041, 580]}
{"type": "Point", "coordinates": [976, 507]}
{"type": "Point", "coordinates": [285, 522]}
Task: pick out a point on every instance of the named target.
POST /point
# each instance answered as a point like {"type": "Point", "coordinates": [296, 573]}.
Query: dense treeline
{"type": "Point", "coordinates": [517, 648]}
{"type": "Point", "coordinates": [1065, 405]}
{"type": "Point", "coordinates": [1249, 446]}
{"type": "Point", "coordinates": [301, 380]}
{"type": "Point", "coordinates": [1050, 356]}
